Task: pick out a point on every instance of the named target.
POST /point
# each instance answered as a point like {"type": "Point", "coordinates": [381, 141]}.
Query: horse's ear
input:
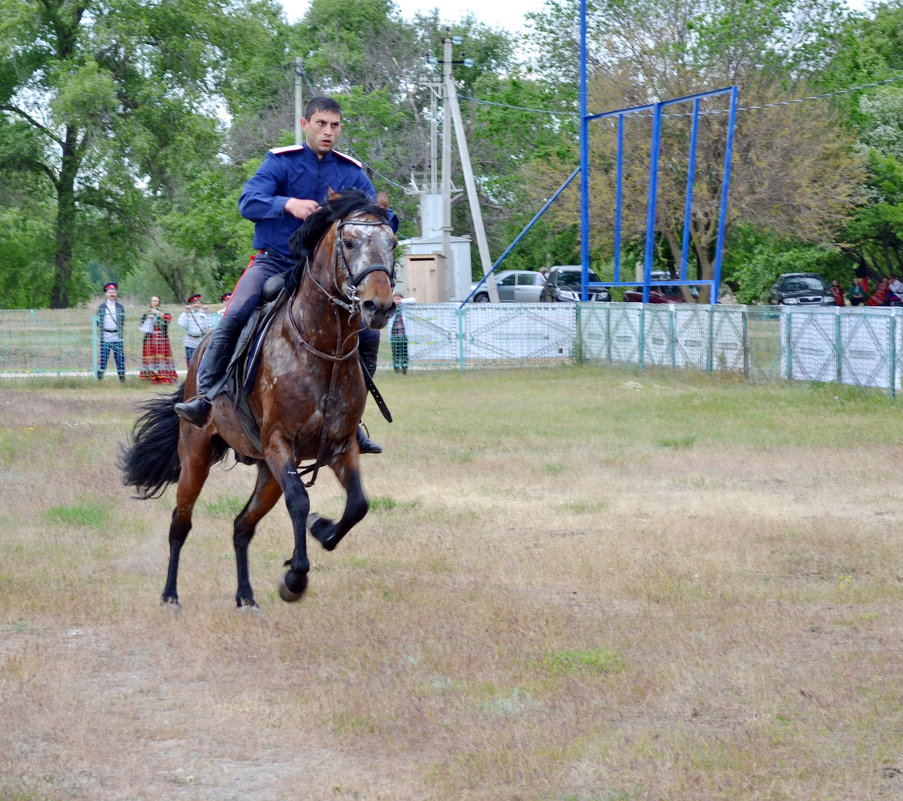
{"type": "Point", "coordinates": [331, 194]}
{"type": "Point", "coordinates": [382, 199]}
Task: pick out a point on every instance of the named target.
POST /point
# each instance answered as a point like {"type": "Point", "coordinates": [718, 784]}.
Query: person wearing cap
{"type": "Point", "coordinates": [217, 316]}
{"type": "Point", "coordinates": [110, 322]}
{"type": "Point", "coordinates": [287, 188]}
{"type": "Point", "coordinates": [196, 324]}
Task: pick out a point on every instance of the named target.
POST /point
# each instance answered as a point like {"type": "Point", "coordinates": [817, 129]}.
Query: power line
{"type": "Point", "coordinates": [717, 111]}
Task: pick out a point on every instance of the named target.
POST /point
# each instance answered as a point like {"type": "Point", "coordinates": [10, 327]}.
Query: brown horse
{"type": "Point", "coordinates": [307, 398]}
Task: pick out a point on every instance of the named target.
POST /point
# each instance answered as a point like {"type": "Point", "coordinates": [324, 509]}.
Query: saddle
{"type": "Point", "coordinates": [242, 367]}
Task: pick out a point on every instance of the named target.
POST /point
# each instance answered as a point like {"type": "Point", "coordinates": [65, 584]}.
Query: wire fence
{"type": "Point", "coordinates": [861, 346]}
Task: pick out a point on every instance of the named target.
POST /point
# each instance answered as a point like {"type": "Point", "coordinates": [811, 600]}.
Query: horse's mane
{"type": "Point", "coordinates": [304, 241]}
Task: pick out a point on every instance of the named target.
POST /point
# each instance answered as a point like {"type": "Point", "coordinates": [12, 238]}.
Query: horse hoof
{"type": "Point", "coordinates": [247, 605]}
{"type": "Point", "coordinates": [320, 528]}
{"type": "Point", "coordinates": [171, 604]}
{"type": "Point", "coordinates": [292, 586]}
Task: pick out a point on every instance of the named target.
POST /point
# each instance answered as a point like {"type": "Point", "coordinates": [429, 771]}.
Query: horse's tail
{"type": "Point", "coordinates": [150, 460]}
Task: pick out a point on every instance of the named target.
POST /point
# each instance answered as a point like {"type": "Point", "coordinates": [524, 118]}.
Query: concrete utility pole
{"type": "Point", "coordinates": [453, 110]}
{"type": "Point", "coordinates": [299, 108]}
{"type": "Point", "coordinates": [446, 165]}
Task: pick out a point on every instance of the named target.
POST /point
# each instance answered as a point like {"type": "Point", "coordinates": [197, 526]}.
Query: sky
{"type": "Point", "coordinates": [507, 14]}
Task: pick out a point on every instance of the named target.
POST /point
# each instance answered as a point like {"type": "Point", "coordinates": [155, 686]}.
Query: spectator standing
{"type": "Point", "coordinates": [837, 292]}
{"type": "Point", "coordinates": [110, 322]}
{"type": "Point", "coordinates": [398, 339]}
{"type": "Point", "coordinates": [194, 321]}
{"type": "Point", "coordinates": [862, 273]}
{"type": "Point", "coordinates": [157, 365]}
{"type": "Point", "coordinates": [857, 293]}
{"type": "Point", "coordinates": [894, 291]}
{"type": "Point", "coordinates": [218, 315]}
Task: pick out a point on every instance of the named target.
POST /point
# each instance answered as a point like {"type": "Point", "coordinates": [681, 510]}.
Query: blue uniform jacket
{"type": "Point", "coordinates": [296, 171]}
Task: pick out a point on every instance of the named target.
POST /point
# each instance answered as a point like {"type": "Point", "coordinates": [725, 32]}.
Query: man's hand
{"type": "Point", "coordinates": [300, 209]}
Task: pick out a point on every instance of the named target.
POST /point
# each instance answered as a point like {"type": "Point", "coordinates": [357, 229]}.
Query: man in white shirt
{"type": "Point", "coordinates": [110, 320]}
{"type": "Point", "coordinates": [196, 324]}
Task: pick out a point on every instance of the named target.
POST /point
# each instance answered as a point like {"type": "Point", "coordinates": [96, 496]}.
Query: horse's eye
{"type": "Point", "coordinates": [348, 243]}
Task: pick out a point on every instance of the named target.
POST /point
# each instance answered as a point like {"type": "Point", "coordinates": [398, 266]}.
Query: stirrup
{"type": "Point", "coordinates": [365, 444]}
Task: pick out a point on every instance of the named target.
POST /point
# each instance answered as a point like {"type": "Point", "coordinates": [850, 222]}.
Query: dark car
{"type": "Point", "coordinates": [801, 289]}
{"type": "Point", "coordinates": [564, 284]}
{"type": "Point", "coordinates": [659, 294]}
{"type": "Point", "coordinates": [514, 286]}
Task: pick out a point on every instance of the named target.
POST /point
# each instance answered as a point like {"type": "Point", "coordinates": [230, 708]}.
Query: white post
{"type": "Point", "coordinates": [299, 109]}
{"type": "Point", "coordinates": [446, 169]}
{"type": "Point", "coordinates": [475, 211]}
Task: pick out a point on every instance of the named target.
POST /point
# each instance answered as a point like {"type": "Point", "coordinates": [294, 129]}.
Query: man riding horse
{"type": "Point", "coordinates": [288, 187]}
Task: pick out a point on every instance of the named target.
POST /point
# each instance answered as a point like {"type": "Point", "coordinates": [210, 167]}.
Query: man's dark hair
{"type": "Point", "coordinates": [321, 104]}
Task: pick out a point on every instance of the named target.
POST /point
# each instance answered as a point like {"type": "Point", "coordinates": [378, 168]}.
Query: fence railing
{"type": "Point", "coordinates": [862, 346]}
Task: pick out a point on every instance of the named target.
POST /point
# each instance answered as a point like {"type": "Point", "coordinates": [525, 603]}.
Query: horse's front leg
{"type": "Point", "coordinates": [329, 533]}
{"type": "Point", "coordinates": [281, 461]}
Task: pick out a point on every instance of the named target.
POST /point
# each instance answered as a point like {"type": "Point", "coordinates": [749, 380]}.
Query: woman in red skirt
{"type": "Point", "coordinates": [157, 365]}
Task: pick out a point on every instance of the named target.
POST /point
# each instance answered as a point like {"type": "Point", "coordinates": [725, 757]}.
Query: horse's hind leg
{"type": "Point", "coordinates": [266, 492]}
{"type": "Point", "coordinates": [195, 453]}
{"type": "Point", "coordinates": [330, 533]}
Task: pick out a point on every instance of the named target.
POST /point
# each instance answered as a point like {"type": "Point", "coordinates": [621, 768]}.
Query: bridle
{"type": "Point", "coordinates": [349, 300]}
{"type": "Point", "coordinates": [344, 298]}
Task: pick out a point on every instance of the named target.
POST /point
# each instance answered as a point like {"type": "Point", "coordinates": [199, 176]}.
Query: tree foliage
{"type": "Point", "coordinates": [792, 173]}
{"type": "Point", "coordinates": [127, 129]}
{"type": "Point", "coordinates": [113, 105]}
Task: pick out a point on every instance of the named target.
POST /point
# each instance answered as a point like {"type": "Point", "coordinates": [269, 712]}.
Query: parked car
{"type": "Point", "coordinates": [801, 289]}
{"type": "Point", "coordinates": [659, 294]}
{"type": "Point", "coordinates": [564, 284]}
{"type": "Point", "coordinates": [515, 286]}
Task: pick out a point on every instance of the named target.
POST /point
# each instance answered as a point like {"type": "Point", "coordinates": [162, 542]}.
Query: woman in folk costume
{"type": "Point", "coordinates": [157, 364]}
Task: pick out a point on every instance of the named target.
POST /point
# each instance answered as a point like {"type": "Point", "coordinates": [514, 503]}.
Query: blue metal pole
{"type": "Point", "coordinates": [584, 161]}
{"type": "Point", "coordinates": [619, 183]}
{"type": "Point", "coordinates": [523, 233]}
{"type": "Point", "coordinates": [652, 198]}
{"type": "Point", "coordinates": [688, 204]}
{"type": "Point", "coordinates": [725, 186]}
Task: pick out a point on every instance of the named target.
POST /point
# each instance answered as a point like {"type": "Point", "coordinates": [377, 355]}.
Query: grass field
{"type": "Point", "coordinates": [573, 585]}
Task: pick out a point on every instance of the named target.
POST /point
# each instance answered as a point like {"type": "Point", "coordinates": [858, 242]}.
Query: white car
{"type": "Point", "coordinates": [515, 286]}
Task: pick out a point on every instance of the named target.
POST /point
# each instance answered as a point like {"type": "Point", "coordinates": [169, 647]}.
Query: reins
{"type": "Point", "coordinates": [351, 304]}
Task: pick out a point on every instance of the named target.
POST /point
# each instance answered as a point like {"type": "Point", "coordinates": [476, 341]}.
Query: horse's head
{"type": "Point", "coordinates": [359, 235]}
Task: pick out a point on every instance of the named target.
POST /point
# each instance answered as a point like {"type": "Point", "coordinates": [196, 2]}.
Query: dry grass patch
{"type": "Point", "coordinates": [573, 585]}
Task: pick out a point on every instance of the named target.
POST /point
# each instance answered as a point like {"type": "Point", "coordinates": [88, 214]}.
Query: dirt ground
{"type": "Point", "coordinates": [596, 611]}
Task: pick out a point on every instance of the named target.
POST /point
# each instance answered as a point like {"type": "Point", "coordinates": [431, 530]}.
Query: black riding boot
{"type": "Point", "coordinates": [210, 372]}
{"type": "Point", "coordinates": [365, 444]}
{"type": "Point", "coordinates": [368, 351]}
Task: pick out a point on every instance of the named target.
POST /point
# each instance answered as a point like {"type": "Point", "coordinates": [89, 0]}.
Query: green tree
{"type": "Point", "coordinates": [872, 51]}
{"type": "Point", "coordinates": [108, 107]}
{"type": "Point", "coordinates": [792, 172]}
